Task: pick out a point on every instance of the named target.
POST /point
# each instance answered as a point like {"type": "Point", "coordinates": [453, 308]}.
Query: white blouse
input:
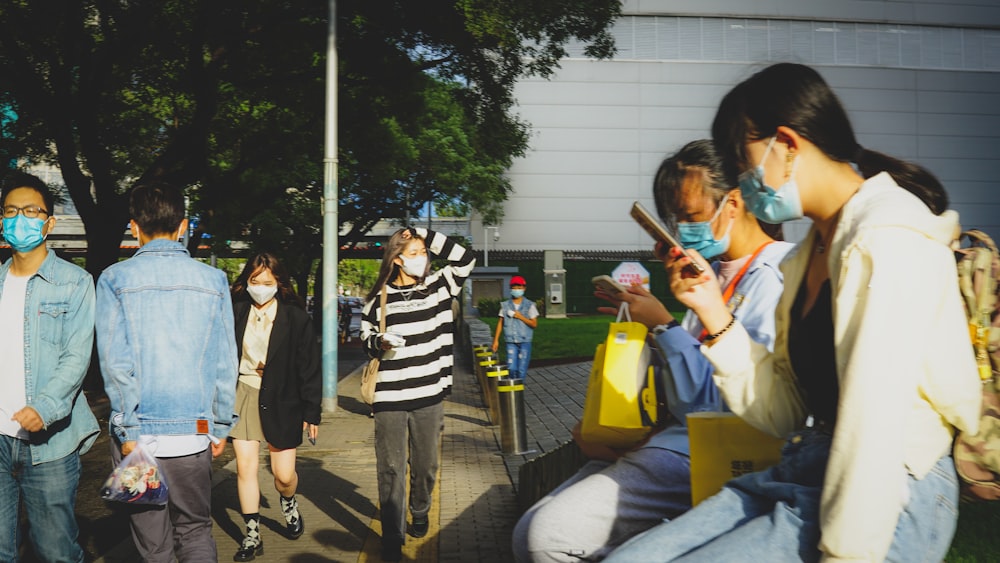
{"type": "Point", "coordinates": [255, 340]}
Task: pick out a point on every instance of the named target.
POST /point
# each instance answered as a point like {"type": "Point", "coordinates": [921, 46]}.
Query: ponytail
{"type": "Point", "coordinates": [912, 177]}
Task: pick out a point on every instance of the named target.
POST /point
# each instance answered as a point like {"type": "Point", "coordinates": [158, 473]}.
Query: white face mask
{"type": "Point", "coordinates": [414, 267]}
{"type": "Point", "coordinates": [262, 293]}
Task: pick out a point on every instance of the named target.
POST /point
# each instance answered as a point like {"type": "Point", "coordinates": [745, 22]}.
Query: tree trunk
{"type": "Point", "coordinates": [301, 284]}
{"type": "Point", "coordinates": [104, 238]}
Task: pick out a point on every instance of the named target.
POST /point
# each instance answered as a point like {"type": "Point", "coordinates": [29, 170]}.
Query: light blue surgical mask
{"type": "Point", "coordinates": [517, 293]}
{"type": "Point", "coordinates": [698, 235]}
{"type": "Point", "coordinates": [768, 204]}
{"type": "Point", "coordinates": [23, 233]}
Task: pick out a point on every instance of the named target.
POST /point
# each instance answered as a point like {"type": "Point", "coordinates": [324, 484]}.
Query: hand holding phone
{"type": "Point", "coordinates": [660, 233]}
{"type": "Point", "coordinates": [608, 285]}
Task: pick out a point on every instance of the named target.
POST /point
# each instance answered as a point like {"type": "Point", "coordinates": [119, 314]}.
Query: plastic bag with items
{"type": "Point", "coordinates": [136, 480]}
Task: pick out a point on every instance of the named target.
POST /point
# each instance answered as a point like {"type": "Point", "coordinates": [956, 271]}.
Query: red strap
{"type": "Point", "coordinates": [731, 288]}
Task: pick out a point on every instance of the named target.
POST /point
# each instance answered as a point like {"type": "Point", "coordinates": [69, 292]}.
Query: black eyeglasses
{"type": "Point", "coordinates": [29, 211]}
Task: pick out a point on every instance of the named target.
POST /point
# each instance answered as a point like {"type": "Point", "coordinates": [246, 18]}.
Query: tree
{"type": "Point", "coordinates": [225, 98]}
{"type": "Point", "coordinates": [426, 97]}
{"type": "Point", "coordinates": [358, 276]}
{"type": "Point", "coordinates": [194, 93]}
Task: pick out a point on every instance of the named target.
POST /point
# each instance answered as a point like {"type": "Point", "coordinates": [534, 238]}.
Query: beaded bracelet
{"type": "Point", "coordinates": [712, 337]}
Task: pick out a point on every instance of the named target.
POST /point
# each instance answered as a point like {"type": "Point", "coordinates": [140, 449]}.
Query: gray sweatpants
{"type": "Point", "coordinates": [603, 505]}
{"type": "Point", "coordinates": [181, 529]}
{"type": "Point", "coordinates": [401, 438]}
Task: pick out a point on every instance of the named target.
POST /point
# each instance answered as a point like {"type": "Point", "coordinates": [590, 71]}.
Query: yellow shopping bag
{"type": "Point", "coordinates": [620, 405]}
{"type": "Point", "coordinates": [724, 446]}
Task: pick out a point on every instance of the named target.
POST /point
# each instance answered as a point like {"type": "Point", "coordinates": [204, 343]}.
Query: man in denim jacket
{"type": "Point", "coordinates": [47, 322]}
{"type": "Point", "coordinates": [168, 357]}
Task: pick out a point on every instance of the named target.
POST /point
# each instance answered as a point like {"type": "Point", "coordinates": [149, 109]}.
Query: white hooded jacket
{"type": "Point", "coordinates": [905, 364]}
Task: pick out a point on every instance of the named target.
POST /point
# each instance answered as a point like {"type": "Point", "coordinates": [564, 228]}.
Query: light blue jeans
{"type": "Point", "coordinates": [773, 515]}
{"type": "Point", "coordinates": [49, 494]}
{"type": "Point", "coordinates": [518, 356]}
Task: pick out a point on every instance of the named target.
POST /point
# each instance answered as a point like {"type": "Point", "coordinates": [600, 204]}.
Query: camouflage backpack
{"type": "Point", "coordinates": [977, 458]}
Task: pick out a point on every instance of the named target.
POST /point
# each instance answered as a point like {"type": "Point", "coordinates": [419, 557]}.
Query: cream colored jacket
{"type": "Point", "coordinates": [904, 361]}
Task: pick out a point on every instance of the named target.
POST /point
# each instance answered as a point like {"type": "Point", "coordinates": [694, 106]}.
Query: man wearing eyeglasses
{"type": "Point", "coordinates": [47, 323]}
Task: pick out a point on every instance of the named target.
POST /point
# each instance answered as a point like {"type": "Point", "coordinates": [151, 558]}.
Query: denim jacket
{"type": "Point", "coordinates": [58, 340]}
{"type": "Point", "coordinates": [687, 377]}
{"type": "Point", "coordinates": [514, 330]}
{"type": "Point", "coordinates": [166, 344]}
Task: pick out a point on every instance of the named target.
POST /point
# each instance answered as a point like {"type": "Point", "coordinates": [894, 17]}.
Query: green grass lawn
{"type": "Point", "coordinates": [976, 539]}
{"type": "Point", "coordinates": [568, 339]}
{"type": "Point", "coordinates": [574, 339]}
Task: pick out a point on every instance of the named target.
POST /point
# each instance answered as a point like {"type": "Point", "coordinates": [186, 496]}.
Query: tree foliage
{"type": "Point", "coordinates": [426, 96]}
{"type": "Point", "coordinates": [206, 95]}
{"type": "Point", "coordinates": [226, 99]}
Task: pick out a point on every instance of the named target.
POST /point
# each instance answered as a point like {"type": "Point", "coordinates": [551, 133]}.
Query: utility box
{"type": "Point", "coordinates": [555, 283]}
{"type": "Point", "coordinates": [489, 283]}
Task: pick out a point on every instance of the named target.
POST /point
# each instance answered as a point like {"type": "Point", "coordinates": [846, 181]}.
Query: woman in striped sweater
{"type": "Point", "coordinates": [414, 374]}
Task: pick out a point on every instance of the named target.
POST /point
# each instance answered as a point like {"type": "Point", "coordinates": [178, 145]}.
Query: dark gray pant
{"type": "Point", "coordinates": [182, 528]}
{"type": "Point", "coordinates": [403, 437]}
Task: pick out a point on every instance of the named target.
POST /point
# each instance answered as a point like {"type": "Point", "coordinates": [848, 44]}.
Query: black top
{"type": "Point", "coordinates": [812, 353]}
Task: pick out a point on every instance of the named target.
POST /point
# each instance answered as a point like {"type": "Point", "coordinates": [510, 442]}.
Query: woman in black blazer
{"type": "Point", "coordinates": [278, 393]}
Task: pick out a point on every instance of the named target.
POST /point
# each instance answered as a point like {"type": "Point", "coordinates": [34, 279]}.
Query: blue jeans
{"type": "Point", "coordinates": [518, 356]}
{"type": "Point", "coordinates": [603, 505]}
{"type": "Point", "coordinates": [49, 494]}
{"type": "Point", "coordinates": [773, 515]}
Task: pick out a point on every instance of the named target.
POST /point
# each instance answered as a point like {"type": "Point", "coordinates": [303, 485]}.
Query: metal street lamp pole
{"type": "Point", "coordinates": [330, 222]}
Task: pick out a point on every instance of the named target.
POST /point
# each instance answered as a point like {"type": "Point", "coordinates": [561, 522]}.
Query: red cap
{"type": "Point", "coordinates": [518, 280]}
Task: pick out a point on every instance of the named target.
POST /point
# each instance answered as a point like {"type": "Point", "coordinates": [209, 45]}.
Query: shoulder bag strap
{"type": "Point", "coordinates": [381, 318]}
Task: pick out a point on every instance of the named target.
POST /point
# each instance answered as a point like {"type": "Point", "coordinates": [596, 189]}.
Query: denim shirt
{"type": "Point", "coordinates": [58, 340]}
{"type": "Point", "coordinates": [514, 330]}
{"type": "Point", "coordinates": [687, 377]}
{"type": "Point", "coordinates": [166, 344]}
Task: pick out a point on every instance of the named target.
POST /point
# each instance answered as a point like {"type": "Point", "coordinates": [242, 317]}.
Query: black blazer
{"type": "Point", "coordinates": [292, 384]}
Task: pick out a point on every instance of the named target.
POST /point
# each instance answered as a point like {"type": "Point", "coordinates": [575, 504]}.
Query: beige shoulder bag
{"type": "Point", "coordinates": [370, 376]}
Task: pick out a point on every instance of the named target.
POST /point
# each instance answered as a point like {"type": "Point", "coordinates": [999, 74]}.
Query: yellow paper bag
{"type": "Point", "coordinates": [724, 446]}
{"type": "Point", "coordinates": [620, 405]}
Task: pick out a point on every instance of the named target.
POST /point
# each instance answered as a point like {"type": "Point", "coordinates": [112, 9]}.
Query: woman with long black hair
{"type": "Point", "coordinates": [278, 392]}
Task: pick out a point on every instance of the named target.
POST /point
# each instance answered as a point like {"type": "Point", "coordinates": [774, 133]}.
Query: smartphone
{"type": "Point", "coordinates": [607, 284]}
{"type": "Point", "coordinates": [660, 233]}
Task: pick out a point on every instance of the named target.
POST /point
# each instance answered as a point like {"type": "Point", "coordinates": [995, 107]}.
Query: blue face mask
{"type": "Point", "coordinates": [22, 233]}
{"type": "Point", "coordinates": [517, 293]}
{"type": "Point", "coordinates": [698, 235]}
{"type": "Point", "coordinates": [768, 204]}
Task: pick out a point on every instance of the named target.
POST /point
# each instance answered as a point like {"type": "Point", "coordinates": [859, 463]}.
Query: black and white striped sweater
{"type": "Point", "coordinates": [418, 374]}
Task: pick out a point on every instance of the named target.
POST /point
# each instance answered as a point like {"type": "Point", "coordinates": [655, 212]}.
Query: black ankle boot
{"type": "Point", "coordinates": [293, 519]}
{"type": "Point", "coordinates": [249, 549]}
{"type": "Point", "coordinates": [252, 545]}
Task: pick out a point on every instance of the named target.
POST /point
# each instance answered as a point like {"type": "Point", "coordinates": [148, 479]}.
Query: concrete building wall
{"type": "Point", "coordinates": [913, 88]}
